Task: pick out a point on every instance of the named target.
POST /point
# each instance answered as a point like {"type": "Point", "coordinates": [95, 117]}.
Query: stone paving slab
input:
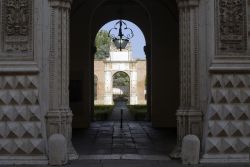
{"type": "Point", "coordinates": [124, 157]}
{"type": "Point", "coordinates": [109, 162]}
{"type": "Point", "coordinates": [137, 144]}
{"type": "Point", "coordinates": [134, 137]}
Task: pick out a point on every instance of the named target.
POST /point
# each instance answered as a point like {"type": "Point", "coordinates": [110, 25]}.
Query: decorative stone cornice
{"type": "Point", "coordinates": [60, 3]}
{"type": "Point", "coordinates": [187, 3]}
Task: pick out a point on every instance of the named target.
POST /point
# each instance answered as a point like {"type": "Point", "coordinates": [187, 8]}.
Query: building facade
{"type": "Point", "coordinates": [120, 62]}
{"type": "Point", "coordinates": [198, 59]}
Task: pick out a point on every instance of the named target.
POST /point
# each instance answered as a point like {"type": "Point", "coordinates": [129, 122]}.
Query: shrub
{"type": "Point", "coordinates": [138, 111]}
{"type": "Point", "coordinates": [102, 112]}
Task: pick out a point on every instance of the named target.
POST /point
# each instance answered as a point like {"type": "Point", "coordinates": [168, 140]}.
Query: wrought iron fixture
{"type": "Point", "coordinates": [124, 34]}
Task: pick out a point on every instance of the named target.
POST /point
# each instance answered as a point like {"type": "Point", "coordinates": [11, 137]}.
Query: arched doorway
{"type": "Point", "coordinates": [121, 73]}
{"type": "Point", "coordinates": [161, 47]}
{"type": "Point", "coordinates": [121, 85]}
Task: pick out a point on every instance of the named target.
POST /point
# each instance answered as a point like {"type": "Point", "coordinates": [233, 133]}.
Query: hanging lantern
{"type": "Point", "coordinates": [124, 34]}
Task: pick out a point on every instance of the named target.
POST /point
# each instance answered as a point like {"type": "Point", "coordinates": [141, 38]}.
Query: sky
{"type": "Point", "coordinates": [138, 41]}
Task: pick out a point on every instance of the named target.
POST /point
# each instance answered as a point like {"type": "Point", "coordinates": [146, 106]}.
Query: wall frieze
{"type": "Point", "coordinates": [231, 28]}
{"type": "Point", "coordinates": [17, 29]}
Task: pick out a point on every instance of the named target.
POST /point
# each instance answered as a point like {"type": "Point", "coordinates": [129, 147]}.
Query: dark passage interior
{"type": "Point", "coordinates": [159, 22]}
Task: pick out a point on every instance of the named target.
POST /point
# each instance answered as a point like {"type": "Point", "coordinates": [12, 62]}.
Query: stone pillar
{"type": "Point", "coordinates": [133, 86]}
{"type": "Point", "coordinates": [108, 94]}
{"type": "Point", "coordinates": [189, 116]}
{"type": "Point", "coordinates": [59, 117]}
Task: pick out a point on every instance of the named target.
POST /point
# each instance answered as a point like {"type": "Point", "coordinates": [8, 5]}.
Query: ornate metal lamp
{"type": "Point", "coordinates": [124, 34]}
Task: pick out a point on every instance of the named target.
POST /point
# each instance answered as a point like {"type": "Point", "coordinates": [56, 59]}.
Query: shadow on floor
{"type": "Point", "coordinates": [134, 138]}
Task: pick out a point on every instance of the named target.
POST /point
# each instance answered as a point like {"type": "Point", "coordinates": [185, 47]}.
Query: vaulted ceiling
{"type": "Point", "coordinates": [170, 5]}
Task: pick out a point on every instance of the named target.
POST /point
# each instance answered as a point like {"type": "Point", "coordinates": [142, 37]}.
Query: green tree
{"type": "Point", "coordinates": [103, 42]}
{"type": "Point", "coordinates": [120, 79]}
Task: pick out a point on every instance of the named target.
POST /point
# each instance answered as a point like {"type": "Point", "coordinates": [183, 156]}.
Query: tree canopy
{"type": "Point", "coordinates": [120, 79]}
{"type": "Point", "coordinates": [103, 42]}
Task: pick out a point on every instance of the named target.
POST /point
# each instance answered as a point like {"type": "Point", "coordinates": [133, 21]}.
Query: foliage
{"type": "Point", "coordinates": [121, 79]}
{"type": "Point", "coordinates": [102, 112]}
{"type": "Point", "coordinates": [138, 107]}
{"type": "Point", "coordinates": [103, 42]}
{"type": "Point", "coordinates": [138, 111]}
{"type": "Point", "coordinates": [103, 107]}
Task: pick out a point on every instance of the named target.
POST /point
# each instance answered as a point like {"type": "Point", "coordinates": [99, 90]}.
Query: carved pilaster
{"type": "Point", "coordinates": [59, 117]}
{"type": "Point", "coordinates": [189, 117]}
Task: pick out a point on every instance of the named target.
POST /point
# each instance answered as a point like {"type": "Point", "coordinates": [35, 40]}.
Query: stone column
{"type": "Point", "coordinates": [108, 94]}
{"type": "Point", "coordinates": [59, 117]}
{"type": "Point", "coordinates": [189, 116]}
{"type": "Point", "coordinates": [133, 86]}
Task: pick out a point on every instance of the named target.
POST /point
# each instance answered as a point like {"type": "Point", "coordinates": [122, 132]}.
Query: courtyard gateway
{"type": "Point", "coordinates": [213, 70]}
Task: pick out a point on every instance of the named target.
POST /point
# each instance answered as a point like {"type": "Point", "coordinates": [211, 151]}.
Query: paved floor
{"type": "Point", "coordinates": [116, 114]}
{"type": "Point", "coordinates": [131, 163]}
{"type": "Point", "coordinates": [109, 138]}
{"type": "Point", "coordinates": [133, 138]}
{"type": "Point", "coordinates": [143, 163]}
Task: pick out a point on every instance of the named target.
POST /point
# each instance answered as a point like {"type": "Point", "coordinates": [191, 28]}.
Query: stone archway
{"type": "Point", "coordinates": [214, 63]}
{"type": "Point", "coordinates": [188, 115]}
{"type": "Point", "coordinates": [47, 71]}
{"type": "Point", "coordinates": [226, 52]}
{"type": "Point", "coordinates": [121, 85]}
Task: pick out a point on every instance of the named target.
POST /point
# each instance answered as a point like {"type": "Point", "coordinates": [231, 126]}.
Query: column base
{"type": "Point", "coordinates": [59, 121]}
{"type": "Point", "coordinates": [188, 122]}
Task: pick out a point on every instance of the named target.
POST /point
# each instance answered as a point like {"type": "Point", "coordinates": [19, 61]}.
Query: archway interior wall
{"type": "Point", "coordinates": [161, 36]}
{"type": "Point", "coordinates": [164, 66]}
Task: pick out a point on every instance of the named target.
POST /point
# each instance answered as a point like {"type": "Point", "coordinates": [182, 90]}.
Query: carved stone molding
{"type": "Point", "coordinates": [60, 3]}
{"type": "Point", "coordinates": [59, 116]}
{"type": "Point", "coordinates": [231, 18]}
{"type": "Point", "coordinates": [187, 3]}
{"type": "Point", "coordinates": [59, 59]}
{"type": "Point", "coordinates": [17, 17]}
{"type": "Point", "coordinates": [189, 116]}
{"type": "Point", "coordinates": [189, 67]}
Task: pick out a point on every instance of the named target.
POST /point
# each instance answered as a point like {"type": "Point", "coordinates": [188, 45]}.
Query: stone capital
{"type": "Point", "coordinates": [60, 3]}
{"type": "Point", "coordinates": [187, 3]}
